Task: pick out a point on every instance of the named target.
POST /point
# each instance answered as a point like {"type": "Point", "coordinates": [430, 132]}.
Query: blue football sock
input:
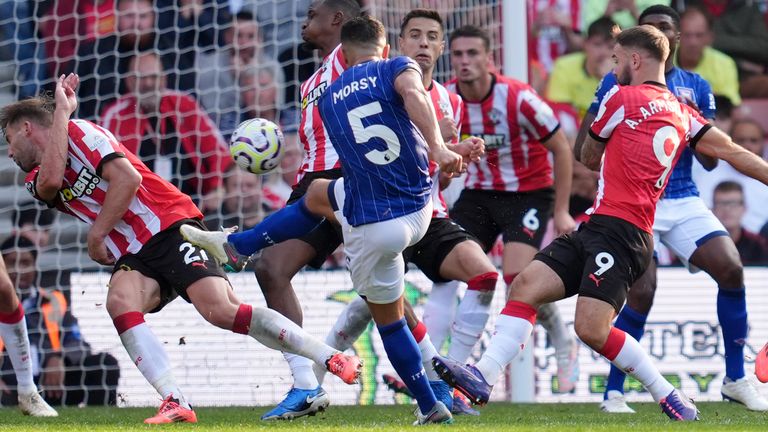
{"type": "Point", "coordinates": [732, 314]}
{"type": "Point", "coordinates": [633, 323]}
{"type": "Point", "coordinates": [405, 357]}
{"type": "Point", "coordinates": [290, 222]}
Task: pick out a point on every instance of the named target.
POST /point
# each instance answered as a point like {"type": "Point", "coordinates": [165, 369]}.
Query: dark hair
{"type": "Point", "coordinates": [661, 10]}
{"type": "Point", "coordinates": [18, 243]}
{"type": "Point", "coordinates": [693, 10]}
{"type": "Point", "coordinates": [42, 218]}
{"type": "Point", "coordinates": [603, 27]}
{"type": "Point", "coordinates": [471, 32]}
{"type": "Point", "coordinates": [421, 13]}
{"type": "Point", "coordinates": [647, 38]}
{"type": "Point", "coordinates": [724, 106]}
{"type": "Point", "coordinates": [38, 109]}
{"type": "Point", "coordinates": [350, 8]}
{"type": "Point", "coordinates": [245, 15]}
{"type": "Point", "coordinates": [729, 186]}
{"type": "Point", "coordinates": [363, 30]}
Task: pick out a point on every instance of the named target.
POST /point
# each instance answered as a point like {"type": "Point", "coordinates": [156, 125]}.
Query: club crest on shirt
{"type": "Point", "coordinates": [496, 116]}
{"type": "Point", "coordinates": [686, 95]}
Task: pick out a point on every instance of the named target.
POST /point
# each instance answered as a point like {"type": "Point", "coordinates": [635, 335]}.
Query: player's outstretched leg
{"type": "Point", "coordinates": [231, 250]}
{"type": "Point", "coordinates": [13, 331]}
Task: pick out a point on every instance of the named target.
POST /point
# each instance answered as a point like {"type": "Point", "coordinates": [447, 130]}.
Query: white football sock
{"type": "Point", "coordinates": [16, 339]}
{"type": "Point", "coordinates": [301, 369]}
{"type": "Point", "coordinates": [508, 339]}
{"type": "Point", "coordinates": [439, 311]}
{"type": "Point", "coordinates": [471, 318]}
{"type": "Point", "coordinates": [635, 361]}
{"type": "Point", "coordinates": [549, 317]}
{"type": "Point", "coordinates": [149, 356]}
{"type": "Point", "coordinates": [428, 351]}
{"type": "Point", "coordinates": [275, 331]}
{"type": "Point", "coordinates": [350, 324]}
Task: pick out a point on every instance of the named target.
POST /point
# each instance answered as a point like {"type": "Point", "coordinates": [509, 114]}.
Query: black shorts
{"type": "Point", "coordinates": [327, 236]}
{"type": "Point", "coordinates": [520, 217]}
{"type": "Point", "coordinates": [172, 261]}
{"type": "Point", "coordinates": [430, 252]}
{"type": "Point", "coordinates": [601, 260]}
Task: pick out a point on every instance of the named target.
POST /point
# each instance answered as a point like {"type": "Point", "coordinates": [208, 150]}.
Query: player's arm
{"type": "Point", "coordinates": [716, 143]}
{"type": "Point", "coordinates": [53, 161]}
{"type": "Point", "coordinates": [124, 182]}
{"type": "Point", "coordinates": [563, 167]}
{"type": "Point", "coordinates": [581, 137]}
{"type": "Point", "coordinates": [592, 153]}
{"type": "Point", "coordinates": [421, 112]}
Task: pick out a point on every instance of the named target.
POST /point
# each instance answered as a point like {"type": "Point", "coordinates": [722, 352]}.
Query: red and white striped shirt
{"type": "Point", "coordinates": [320, 154]}
{"type": "Point", "coordinates": [645, 129]}
{"type": "Point", "coordinates": [512, 120]}
{"type": "Point", "coordinates": [447, 104]}
{"type": "Point", "coordinates": [156, 206]}
{"type": "Point", "coordinates": [550, 41]}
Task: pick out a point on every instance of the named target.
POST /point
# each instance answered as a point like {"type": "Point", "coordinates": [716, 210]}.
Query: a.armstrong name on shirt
{"type": "Point", "coordinates": [361, 84]}
{"type": "Point", "coordinates": [492, 141]}
{"type": "Point", "coordinates": [314, 95]}
{"type": "Point", "coordinates": [84, 185]}
{"type": "Point", "coordinates": [654, 106]}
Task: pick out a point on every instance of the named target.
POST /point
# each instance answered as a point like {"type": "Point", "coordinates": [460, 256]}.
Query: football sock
{"type": "Point", "coordinates": [426, 349]}
{"type": "Point", "coordinates": [439, 311]}
{"type": "Point", "coordinates": [279, 333]}
{"type": "Point", "coordinates": [513, 328]}
{"type": "Point", "coordinates": [732, 314]}
{"type": "Point", "coordinates": [631, 322]}
{"type": "Point", "coordinates": [472, 316]}
{"type": "Point", "coordinates": [627, 354]}
{"type": "Point", "coordinates": [301, 369]}
{"type": "Point", "coordinates": [13, 331]}
{"type": "Point", "coordinates": [350, 324]}
{"type": "Point", "coordinates": [148, 354]}
{"type": "Point", "coordinates": [292, 221]}
{"type": "Point", "coordinates": [549, 317]}
{"type": "Point", "coordinates": [404, 355]}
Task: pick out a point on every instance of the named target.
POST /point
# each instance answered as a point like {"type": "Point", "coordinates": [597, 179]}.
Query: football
{"type": "Point", "coordinates": [257, 146]}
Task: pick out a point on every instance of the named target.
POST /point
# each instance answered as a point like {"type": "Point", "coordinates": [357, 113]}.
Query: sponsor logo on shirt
{"type": "Point", "coordinates": [84, 185]}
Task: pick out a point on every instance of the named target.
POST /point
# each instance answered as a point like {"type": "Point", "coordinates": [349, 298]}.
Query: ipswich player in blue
{"type": "Point", "coordinates": [689, 229]}
{"type": "Point", "coordinates": [381, 121]}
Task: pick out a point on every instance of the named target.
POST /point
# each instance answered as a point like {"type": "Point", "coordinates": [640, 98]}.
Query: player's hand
{"type": "Point", "coordinates": [448, 129]}
{"type": "Point", "coordinates": [98, 251]}
{"type": "Point", "coordinates": [564, 223]}
{"type": "Point", "coordinates": [472, 148]}
{"type": "Point", "coordinates": [451, 163]}
{"type": "Point", "coordinates": [52, 378]}
{"type": "Point", "coordinates": [66, 98]}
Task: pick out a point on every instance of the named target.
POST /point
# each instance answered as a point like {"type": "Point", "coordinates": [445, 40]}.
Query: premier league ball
{"type": "Point", "coordinates": [257, 146]}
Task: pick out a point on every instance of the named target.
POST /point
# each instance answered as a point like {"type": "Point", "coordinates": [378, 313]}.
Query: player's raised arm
{"type": "Point", "coordinates": [53, 160]}
{"type": "Point", "coordinates": [581, 137]}
{"type": "Point", "coordinates": [417, 103]}
{"type": "Point", "coordinates": [716, 143]}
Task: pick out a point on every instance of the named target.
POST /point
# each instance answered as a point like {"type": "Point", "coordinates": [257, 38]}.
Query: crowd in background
{"type": "Point", "coordinates": [172, 79]}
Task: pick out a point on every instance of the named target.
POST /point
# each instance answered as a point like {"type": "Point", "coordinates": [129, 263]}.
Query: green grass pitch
{"type": "Point", "coordinates": [495, 417]}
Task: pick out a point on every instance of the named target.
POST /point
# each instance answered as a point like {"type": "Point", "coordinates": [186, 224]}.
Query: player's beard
{"type": "Point", "coordinates": [624, 77]}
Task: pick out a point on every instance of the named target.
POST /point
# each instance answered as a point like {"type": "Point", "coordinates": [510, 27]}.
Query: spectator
{"type": "Point", "coordinates": [67, 24]}
{"type": "Point", "coordinates": [220, 73]}
{"type": "Point", "coordinates": [242, 204]}
{"type": "Point", "coordinates": [749, 134]}
{"type": "Point", "coordinates": [198, 24]}
{"type": "Point", "coordinates": [740, 32]}
{"type": "Point", "coordinates": [17, 35]}
{"type": "Point", "coordinates": [104, 63]}
{"type": "Point", "coordinates": [576, 76]}
{"type": "Point", "coordinates": [624, 12]}
{"type": "Point", "coordinates": [259, 87]}
{"type": "Point", "coordinates": [728, 206]}
{"type": "Point", "coordinates": [554, 29]}
{"type": "Point", "coordinates": [170, 132]}
{"type": "Point", "coordinates": [697, 55]}
{"type": "Point", "coordinates": [64, 365]}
